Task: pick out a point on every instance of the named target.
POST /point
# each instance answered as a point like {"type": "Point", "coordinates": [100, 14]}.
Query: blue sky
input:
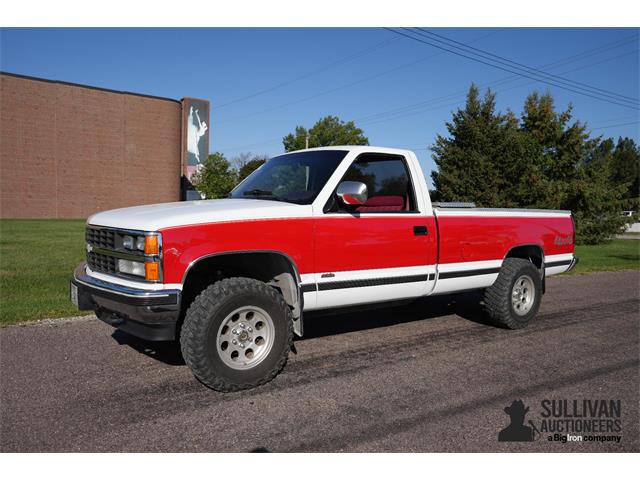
{"type": "Point", "coordinates": [364, 74]}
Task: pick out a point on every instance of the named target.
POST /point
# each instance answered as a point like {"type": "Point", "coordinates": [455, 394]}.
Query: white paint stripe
{"type": "Point", "coordinates": [396, 271]}
{"type": "Point", "coordinates": [464, 283]}
{"type": "Point", "coordinates": [373, 215]}
{"type": "Point", "coordinates": [563, 257]}
{"type": "Point", "coordinates": [470, 282]}
{"type": "Point", "coordinates": [451, 283]}
{"type": "Point", "coordinates": [375, 273]}
{"type": "Point", "coordinates": [361, 295]}
{"type": "Point", "coordinates": [353, 296]}
{"type": "Point", "coordinates": [555, 270]}
{"type": "Point", "coordinates": [310, 300]}
{"type": "Point", "coordinates": [463, 266]}
{"type": "Point", "coordinates": [470, 212]}
{"type": "Point", "coordinates": [558, 258]}
{"type": "Point", "coordinates": [307, 278]}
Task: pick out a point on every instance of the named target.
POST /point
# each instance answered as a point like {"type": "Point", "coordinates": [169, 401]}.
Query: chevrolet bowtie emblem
{"type": "Point", "coordinates": [89, 248]}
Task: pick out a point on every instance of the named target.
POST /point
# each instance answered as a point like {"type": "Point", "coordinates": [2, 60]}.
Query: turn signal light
{"type": "Point", "coordinates": [151, 245]}
{"type": "Point", "coordinates": [152, 270]}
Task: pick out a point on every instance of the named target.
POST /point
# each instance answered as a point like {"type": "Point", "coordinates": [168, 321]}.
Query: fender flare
{"type": "Point", "coordinates": [539, 247]}
{"type": "Point", "coordinates": [298, 324]}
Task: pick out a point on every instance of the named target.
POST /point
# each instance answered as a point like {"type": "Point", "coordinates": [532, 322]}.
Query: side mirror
{"type": "Point", "coordinates": [352, 193]}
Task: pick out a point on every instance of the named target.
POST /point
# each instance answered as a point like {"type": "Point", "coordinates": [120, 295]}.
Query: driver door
{"type": "Point", "coordinates": [382, 250]}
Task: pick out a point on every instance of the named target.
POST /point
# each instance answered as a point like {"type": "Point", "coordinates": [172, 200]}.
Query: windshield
{"type": "Point", "coordinates": [295, 178]}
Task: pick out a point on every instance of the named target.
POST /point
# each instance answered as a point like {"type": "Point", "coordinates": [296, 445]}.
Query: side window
{"type": "Point", "coordinates": [388, 184]}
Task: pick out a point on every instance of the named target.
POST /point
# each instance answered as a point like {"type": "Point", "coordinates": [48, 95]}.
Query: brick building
{"type": "Point", "coordinates": [68, 150]}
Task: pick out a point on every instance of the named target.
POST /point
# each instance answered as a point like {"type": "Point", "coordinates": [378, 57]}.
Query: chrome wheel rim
{"type": "Point", "coordinates": [523, 295]}
{"type": "Point", "coordinates": [245, 337]}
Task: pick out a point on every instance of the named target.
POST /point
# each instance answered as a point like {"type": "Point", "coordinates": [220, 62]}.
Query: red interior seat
{"type": "Point", "coordinates": [382, 203]}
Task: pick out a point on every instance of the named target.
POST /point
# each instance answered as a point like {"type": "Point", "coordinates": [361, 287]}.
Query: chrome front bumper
{"type": "Point", "coordinates": [148, 314]}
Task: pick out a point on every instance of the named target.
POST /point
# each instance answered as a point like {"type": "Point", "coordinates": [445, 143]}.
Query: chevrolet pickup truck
{"type": "Point", "coordinates": [231, 279]}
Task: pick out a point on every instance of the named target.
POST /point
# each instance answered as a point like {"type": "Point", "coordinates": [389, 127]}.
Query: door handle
{"type": "Point", "coordinates": [420, 230]}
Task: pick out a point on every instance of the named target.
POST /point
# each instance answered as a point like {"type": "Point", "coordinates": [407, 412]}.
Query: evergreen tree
{"type": "Point", "coordinates": [575, 171]}
{"type": "Point", "coordinates": [625, 168]}
{"type": "Point", "coordinates": [471, 160]}
{"type": "Point", "coordinates": [596, 202]}
{"type": "Point", "coordinates": [545, 161]}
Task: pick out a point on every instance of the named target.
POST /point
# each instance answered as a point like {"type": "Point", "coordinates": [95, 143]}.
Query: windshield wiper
{"type": "Point", "coordinates": [258, 193]}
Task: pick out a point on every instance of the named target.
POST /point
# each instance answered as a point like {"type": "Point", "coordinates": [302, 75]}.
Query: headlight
{"type": "Point", "coordinates": [131, 268]}
{"type": "Point", "coordinates": [147, 244]}
{"type": "Point", "coordinates": [143, 256]}
{"type": "Point", "coordinates": [127, 242]}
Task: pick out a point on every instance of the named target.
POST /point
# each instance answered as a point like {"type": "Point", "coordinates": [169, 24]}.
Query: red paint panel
{"type": "Point", "coordinates": [182, 245]}
{"type": "Point", "coordinates": [361, 243]}
{"type": "Point", "coordinates": [477, 238]}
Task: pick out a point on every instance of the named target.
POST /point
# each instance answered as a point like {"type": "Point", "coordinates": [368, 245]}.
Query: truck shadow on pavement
{"type": "Point", "coordinates": [321, 324]}
{"type": "Point", "coordinates": [165, 352]}
{"type": "Point", "coordinates": [466, 305]}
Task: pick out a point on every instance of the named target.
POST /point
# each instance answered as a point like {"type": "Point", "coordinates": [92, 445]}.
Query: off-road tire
{"type": "Point", "coordinates": [203, 319]}
{"type": "Point", "coordinates": [497, 298]}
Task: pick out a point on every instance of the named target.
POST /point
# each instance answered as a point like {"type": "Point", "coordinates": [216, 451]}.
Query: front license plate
{"type": "Point", "coordinates": [73, 294]}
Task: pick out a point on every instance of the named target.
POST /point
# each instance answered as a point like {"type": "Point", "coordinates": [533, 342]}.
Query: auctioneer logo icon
{"type": "Point", "coordinates": [566, 420]}
{"type": "Point", "coordinates": [516, 431]}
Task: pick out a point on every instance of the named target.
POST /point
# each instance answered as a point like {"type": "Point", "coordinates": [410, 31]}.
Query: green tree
{"type": "Point", "coordinates": [597, 203]}
{"type": "Point", "coordinates": [625, 168]}
{"type": "Point", "coordinates": [327, 131]}
{"type": "Point", "coordinates": [624, 163]}
{"type": "Point", "coordinates": [471, 157]}
{"type": "Point", "coordinates": [247, 166]}
{"type": "Point", "coordinates": [566, 145]}
{"type": "Point", "coordinates": [575, 173]}
{"type": "Point", "coordinates": [216, 178]}
{"type": "Point", "coordinates": [544, 161]}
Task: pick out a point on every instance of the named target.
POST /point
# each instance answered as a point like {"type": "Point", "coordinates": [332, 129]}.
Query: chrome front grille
{"type": "Point", "coordinates": [105, 246]}
{"type": "Point", "coordinates": [101, 237]}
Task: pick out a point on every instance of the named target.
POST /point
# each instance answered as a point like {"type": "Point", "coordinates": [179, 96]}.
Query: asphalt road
{"type": "Point", "coordinates": [430, 376]}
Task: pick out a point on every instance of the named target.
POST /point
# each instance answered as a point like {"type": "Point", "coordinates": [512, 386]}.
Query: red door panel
{"type": "Point", "coordinates": [370, 242]}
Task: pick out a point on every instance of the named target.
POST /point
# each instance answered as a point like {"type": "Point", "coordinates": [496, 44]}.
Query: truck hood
{"type": "Point", "coordinates": [164, 215]}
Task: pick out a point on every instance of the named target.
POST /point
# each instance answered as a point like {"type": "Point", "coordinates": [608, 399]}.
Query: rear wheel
{"type": "Point", "coordinates": [237, 334]}
{"type": "Point", "coordinates": [514, 299]}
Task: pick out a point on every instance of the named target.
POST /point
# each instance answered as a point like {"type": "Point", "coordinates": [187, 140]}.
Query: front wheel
{"type": "Point", "coordinates": [237, 334]}
{"type": "Point", "coordinates": [514, 299]}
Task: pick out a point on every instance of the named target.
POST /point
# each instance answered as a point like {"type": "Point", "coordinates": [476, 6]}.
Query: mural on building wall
{"type": "Point", "coordinates": [195, 118]}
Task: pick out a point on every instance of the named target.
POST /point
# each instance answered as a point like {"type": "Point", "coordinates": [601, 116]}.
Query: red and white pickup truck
{"type": "Point", "coordinates": [309, 230]}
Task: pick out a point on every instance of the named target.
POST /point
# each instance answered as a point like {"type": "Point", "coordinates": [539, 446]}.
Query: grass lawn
{"type": "Point", "coordinates": [616, 255]}
{"type": "Point", "coordinates": [37, 258]}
